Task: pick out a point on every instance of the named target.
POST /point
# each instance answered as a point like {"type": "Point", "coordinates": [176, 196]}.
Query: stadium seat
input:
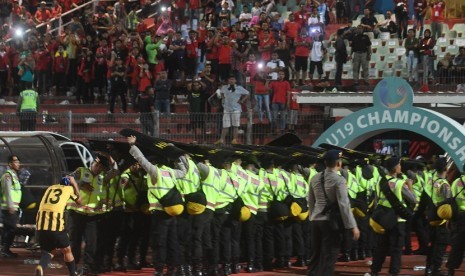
{"type": "Point", "coordinates": [355, 22]}
{"type": "Point", "coordinates": [460, 42]}
{"type": "Point", "coordinates": [451, 34]}
{"type": "Point", "coordinates": [445, 28]}
{"type": "Point", "coordinates": [349, 75]}
{"type": "Point", "coordinates": [379, 17]}
{"type": "Point", "coordinates": [400, 51]}
{"type": "Point", "coordinates": [346, 68]}
{"type": "Point", "coordinates": [291, 4]}
{"type": "Point", "coordinates": [285, 15]}
{"type": "Point", "coordinates": [460, 29]}
{"type": "Point", "coordinates": [380, 65]}
{"type": "Point", "coordinates": [427, 27]}
{"type": "Point", "coordinates": [388, 72]}
{"type": "Point", "coordinates": [442, 41]}
{"type": "Point", "coordinates": [281, 8]}
{"type": "Point", "coordinates": [326, 43]}
{"type": "Point", "coordinates": [385, 36]}
{"type": "Point", "coordinates": [372, 73]}
{"type": "Point", "coordinates": [329, 66]}
{"type": "Point", "coordinates": [452, 49]}
{"type": "Point", "coordinates": [392, 43]}
{"type": "Point", "coordinates": [375, 45]}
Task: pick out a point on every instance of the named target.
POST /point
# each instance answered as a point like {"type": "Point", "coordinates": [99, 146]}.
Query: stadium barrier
{"type": "Point", "coordinates": [204, 128]}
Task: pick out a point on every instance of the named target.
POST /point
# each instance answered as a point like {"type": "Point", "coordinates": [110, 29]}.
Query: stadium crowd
{"type": "Point", "coordinates": [112, 51]}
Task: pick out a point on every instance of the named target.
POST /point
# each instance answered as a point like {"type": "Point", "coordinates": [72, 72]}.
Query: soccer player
{"type": "Point", "coordinates": [50, 223]}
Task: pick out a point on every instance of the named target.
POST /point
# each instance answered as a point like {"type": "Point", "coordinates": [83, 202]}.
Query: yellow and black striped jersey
{"type": "Point", "coordinates": [51, 210]}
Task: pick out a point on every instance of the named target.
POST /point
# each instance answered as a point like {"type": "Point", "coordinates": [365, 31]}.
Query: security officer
{"type": "Point", "coordinates": [111, 222]}
{"type": "Point", "coordinates": [283, 230]}
{"type": "Point", "coordinates": [135, 197]}
{"type": "Point", "coordinates": [438, 189]}
{"type": "Point", "coordinates": [164, 232]}
{"type": "Point", "coordinates": [251, 199]}
{"type": "Point", "coordinates": [392, 240]}
{"type": "Point", "coordinates": [223, 223]}
{"type": "Point", "coordinates": [349, 248]}
{"type": "Point", "coordinates": [10, 192]}
{"type": "Point", "coordinates": [419, 223]}
{"type": "Point", "coordinates": [26, 109]}
{"type": "Point", "coordinates": [245, 191]}
{"type": "Point", "coordinates": [84, 218]}
{"type": "Point", "coordinates": [273, 235]}
{"type": "Point", "coordinates": [186, 185]}
{"type": "Point", "coordinates": [361, 54]}
{"type": "Point", "coordinates": [367, 176]}
{"type": "Point", "coordinates": [328, 187]}
{"type": "Point", "coordinates": [202, 235]}
{"type": "Point", "coordinates": [264, 223]}
{"type": "Point", "coordinates": [458, 226]}
{"type": "Point", "coordinates": [298, 187]}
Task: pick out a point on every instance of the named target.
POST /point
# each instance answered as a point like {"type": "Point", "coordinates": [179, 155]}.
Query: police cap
{"type": "Point", "coordinates": [391, 163]}
{"type": "Point", "coordinates": [332, 155]}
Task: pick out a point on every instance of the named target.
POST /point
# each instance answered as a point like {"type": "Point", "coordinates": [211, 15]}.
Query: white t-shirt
{"type": "Point", "coordinates": [273, 64]}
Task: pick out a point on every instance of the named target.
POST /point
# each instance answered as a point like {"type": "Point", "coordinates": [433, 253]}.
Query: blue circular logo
{"type": "Point", "coordinates": [393, 93]}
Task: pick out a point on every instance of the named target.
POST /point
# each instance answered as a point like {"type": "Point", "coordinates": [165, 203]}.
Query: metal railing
{"type": "Point", "coordinates": [202, 128]}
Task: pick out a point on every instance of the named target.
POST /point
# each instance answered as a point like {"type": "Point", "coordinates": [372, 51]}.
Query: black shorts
{"type": "Point", "coordinates": [51, 240]}
{"type": "Point", "coordinates": [301, 63]}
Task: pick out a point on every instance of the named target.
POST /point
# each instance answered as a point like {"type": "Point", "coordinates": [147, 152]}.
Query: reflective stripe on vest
{"type": "Point", "coordinates": [165, 182]}
{"type": "Point", "coordinates": [227, 191]}
{"type": "Point", "coordinates": [210, 187]}
{"type": "Point", "coordinates": [456, 188]}
{"type": "Point", "coordinates": [28, 100]}
{"type": "Point", "coordinates": [395, 185]}
{"type": "Point", "coordinates": [190, 183]}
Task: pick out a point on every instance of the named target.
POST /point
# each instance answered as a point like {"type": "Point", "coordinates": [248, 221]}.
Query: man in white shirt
{"type": "Point", "coordinates": [317, 53]}
{"type": "Point", "coordinates": [245, 17]}
{"type": "Point", "coordinates": [274, 66]}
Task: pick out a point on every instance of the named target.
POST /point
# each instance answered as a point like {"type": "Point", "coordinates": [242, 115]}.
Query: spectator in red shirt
{"type": "Point", "coordinates": [211, 49]}
{"type": "Point", "coordinates": [302, 52]}
{"type": "Point", "coordinates": [85, 73]}
{"type": "Point", "coordinates": [59, 69]}
{"type": "Point", "coordinates": [301, 16]}
{"type": "Point", "coordinates": [192, 45]}
{"type": "Point", "coordinates": [292, 30]}
{"type": "Point", "coordinates": [4, 70]}
{"type": "Point", "coordinates": [224, 58]}
{"type": "Point", "coordinates": [144, 75]}
{"type": "Point", "coordinates": [437, 18]}
{"type": "Point", "coordinates": [279, 102]}
{"type": "Point", "coordinates": [56, 13]}
{"type": "Point", "coordinates": [43, 14]}
{"type": "Point", "coordinates": [293, 108]}
{"type": "Point", "coordinates": [266, 46]}
{"type": "Point", "coordinates": [101, 68]}
{"type": "Point", "coordinates": [16, 12]}
{"type": "Point", "coordinates": [42, 57]}
{"type": "Point", "coordinates": [262, 95]}
{"type": "Point", "coordinates": [131, 64]}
